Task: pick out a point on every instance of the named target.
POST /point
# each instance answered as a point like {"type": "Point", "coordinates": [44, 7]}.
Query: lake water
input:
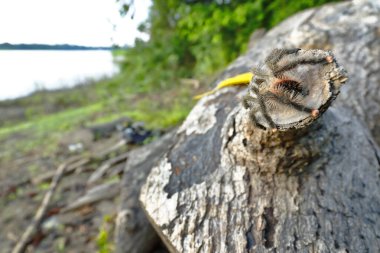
{"type": "Point", "coordinates": [24, 71]}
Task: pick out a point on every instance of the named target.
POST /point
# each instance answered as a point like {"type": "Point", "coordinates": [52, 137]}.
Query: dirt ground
{"type": "Point", "coordinates": [67, 225]}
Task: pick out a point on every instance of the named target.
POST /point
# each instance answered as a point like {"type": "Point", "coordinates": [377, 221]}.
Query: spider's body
{"type": "Point", "coordinates": [293, 87]}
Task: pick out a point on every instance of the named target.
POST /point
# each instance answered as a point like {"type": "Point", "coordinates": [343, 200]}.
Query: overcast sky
{"type": "Point", "coordinates": [80, 22]}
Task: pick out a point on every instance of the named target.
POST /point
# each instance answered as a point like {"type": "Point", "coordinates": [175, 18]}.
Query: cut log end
{"type": "Point", "coordinates": [293, 88]}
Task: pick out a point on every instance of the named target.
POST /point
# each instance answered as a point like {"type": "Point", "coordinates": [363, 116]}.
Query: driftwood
{"type": "Point", "coordinates": [133, 233]}
{"type": "Point", "coordinates": [227, 186]}
{"type": "Point", "coordinates": [32, 228]}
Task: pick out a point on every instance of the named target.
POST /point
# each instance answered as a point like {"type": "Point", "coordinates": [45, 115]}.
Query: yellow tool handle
{"type": "Point", "coordinates": [239, 80]}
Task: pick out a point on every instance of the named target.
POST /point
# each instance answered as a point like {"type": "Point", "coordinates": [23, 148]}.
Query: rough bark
{"type": "Point", "coordinates": [226, 186]}
{"type": "Point", "coordinates": [133, 233]}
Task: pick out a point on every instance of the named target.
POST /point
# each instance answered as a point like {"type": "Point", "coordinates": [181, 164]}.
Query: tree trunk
{"type": "Point", "coordinates": [227, 186]}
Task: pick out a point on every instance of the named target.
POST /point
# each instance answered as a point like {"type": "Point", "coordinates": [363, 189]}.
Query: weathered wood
{"type": "Point", "coordinates": [133, 232]}
{"type": "Point", "coordinates": [226, 186]}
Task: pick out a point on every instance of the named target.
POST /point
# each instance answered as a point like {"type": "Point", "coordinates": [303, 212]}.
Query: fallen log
{"type": "Point", "coordinates": [133, 232]}
{"type": "Point", "coordinates": [227, 185]}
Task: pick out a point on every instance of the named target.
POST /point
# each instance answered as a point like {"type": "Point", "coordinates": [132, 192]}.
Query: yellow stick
{"type": "Point", "coordinates": [239, 80]}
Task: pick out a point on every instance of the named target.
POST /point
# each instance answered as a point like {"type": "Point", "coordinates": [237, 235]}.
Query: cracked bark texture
{"type": "Point", "coordinates": [226, 186]}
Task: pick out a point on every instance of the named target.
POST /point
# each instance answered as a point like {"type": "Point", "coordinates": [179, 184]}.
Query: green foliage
{"type": "Point", "coordinates": [43, 186]}
{"type": "Point", "coordinates": [196, 38]}
{"type": "Point", "coordinates": [60, 244]}
{"type": "Point", "coordinates": [104, 240]}
{"type": "Point", "coordinates": [157, 72]}
{"type": "Point", "coordinates": [157, 117]}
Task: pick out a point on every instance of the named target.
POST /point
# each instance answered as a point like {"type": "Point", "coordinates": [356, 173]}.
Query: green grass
{"type": "Point", "coordinates": [61, 121]}
{"type": "Point", "coordinates": [160, 109]}
{"type": "Point", "coordinates": [42, 132]}
{"type": "Point", "coordinates": [14, 128]}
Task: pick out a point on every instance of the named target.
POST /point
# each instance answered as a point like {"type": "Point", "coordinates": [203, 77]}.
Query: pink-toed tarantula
{"type": "Point", "coordinates": [293, 88]}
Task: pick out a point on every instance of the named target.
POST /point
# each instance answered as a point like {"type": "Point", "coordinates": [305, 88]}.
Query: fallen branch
{"type": "Point", "coordinates": [98, 193]}
{"type": "Point", "coordinates": [32, 228]}
{"type": "Point", "coordinates": [108, 151]}
{"type": "Point", "coordinates": [99, 173]}
{"type": "Point", "coordinates": [70, 169]}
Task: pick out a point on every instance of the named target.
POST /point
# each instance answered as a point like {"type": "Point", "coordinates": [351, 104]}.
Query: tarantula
{"type": "Point", "coordinates": [293, 88]}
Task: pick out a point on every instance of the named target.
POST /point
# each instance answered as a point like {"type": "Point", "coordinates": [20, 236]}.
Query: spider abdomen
{"type": "Point", "coordinates": [287, 87]}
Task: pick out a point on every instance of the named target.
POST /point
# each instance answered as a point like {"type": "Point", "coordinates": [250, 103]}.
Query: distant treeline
{"type": "Point", "coordinates": [8, 46]}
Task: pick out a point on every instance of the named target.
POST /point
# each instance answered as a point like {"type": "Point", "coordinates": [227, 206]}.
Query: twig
{"type": "Point", "coordinates": [99, 173]}
{"type": "Point", "coordinates": [98, 193]}
{"type": "Point", "coordinates": [70, 168]}
{"type": "Point", "coordinates": [108, 151]}
{"type": "Point", "coordinates": [83, 160]}
{"type": "Point", "coordinates": [26, 237]}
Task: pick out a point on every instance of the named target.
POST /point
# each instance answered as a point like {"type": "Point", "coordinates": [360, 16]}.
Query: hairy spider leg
{"type": "Point", "coordinates": [259, 76]}
{"type": "Point", "coordinates": [258, 71]}
{"type": "Point", "coordinates": [253, 118]}
{"type": "Point", "coordinates": [276, 55]}
{"type": "Point", "coordinates": [246, 103]}
{"type": "Point", "coordinates": [247, 100]}
{"type": "Point", "coordinates": [263, 107]}
{"type": "Point", "coordinates": [291, 64]}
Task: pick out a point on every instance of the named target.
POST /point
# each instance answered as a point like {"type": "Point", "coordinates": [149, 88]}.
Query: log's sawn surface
{"type": "Point", "coordinates": [226, 186]}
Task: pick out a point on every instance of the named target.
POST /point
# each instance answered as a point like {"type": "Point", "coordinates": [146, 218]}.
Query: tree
{"type": "Point", "coordinates": [197, 38]}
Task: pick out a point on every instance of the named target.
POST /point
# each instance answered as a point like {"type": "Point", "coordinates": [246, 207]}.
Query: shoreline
{"type": "Point", "coordinates": [36, 46]}
{"type": "Point", "coordinates": [48, 101]}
